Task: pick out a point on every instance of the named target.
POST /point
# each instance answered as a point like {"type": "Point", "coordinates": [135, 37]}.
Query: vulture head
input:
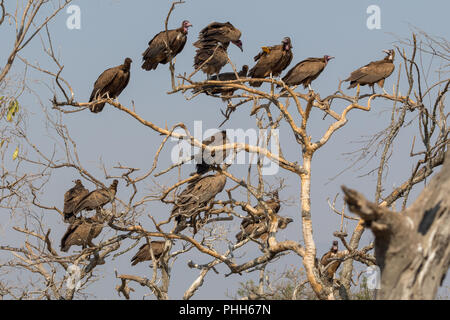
{"type": "Point", "coordinates": [114, 184]}
{"type": "Point", "coordinates": [334, 247]}
{"type": "Point", "coordinates": [327, 58]}
{"type": "Point", "coordinates": [185, 25]}
{"type": "Point", "coordinates": [283, 222]}
{"type": "Point", "coordinates": [390, 54]}
{"type": "Point", "coordinates": [238, 43]}
{"type": "Point", "coordinates": [127, 64]}
{"type": "Point", "coordinates": [287, 45]}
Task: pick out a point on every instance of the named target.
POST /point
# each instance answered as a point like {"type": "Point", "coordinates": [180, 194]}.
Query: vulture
{"type": "Point", "coordinates": [333, 264]}
{"type": "Point", "coordinates": [225, 92]}
{"type": "Point", "coordinates": [198, 194]}
{"type": "Point", "coordinates": [110, 83]}
{"type": "Point", "coordinates": [144, 252]}
{"type": "Point", "coordinates": [374, 72]}
{"type": "Point", "coordinates": [216, 63]}
{"type": "Point", "coordinates": [273, 203]}
{"type": "Point", "coordinates": [271, 61]}
{"type": "Point", "coordinates": [219, 32]}
{"type": "Point", "coordinates": [258, 227]}
{"type": "Point", "coordinates": [71, 199]}
{"type": "Point", "coordinates": [213, 40]}
{"type": "Point", "coordinates": [97, 199]}
{"type": "Point", "coordinates": [157, 52]}
{"type": "Point", "coordinates": [81, 233]}
{"type": "Point", "coordinates": [206, 160]}
{"type": "Point", "coordinates": [306, 71]}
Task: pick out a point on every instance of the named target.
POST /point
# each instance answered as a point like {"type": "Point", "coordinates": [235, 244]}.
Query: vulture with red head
{"type": "Point", "coordinates": [374, 72]}
{"type": "Point", "coordinates": [110, 84]}
{"type": "Point", "coordinates": [157, 52]}
{"type": "Point", "coordinates": [71, 199]}
{"type": "Point", "coordinates": [144, 253]}
{"type": "Point", "coordinates": [271, 61]}
{"type": "Point", "coordinates": [306, 71]}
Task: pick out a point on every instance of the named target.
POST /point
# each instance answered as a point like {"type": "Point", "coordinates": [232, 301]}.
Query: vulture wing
{"type": "Point", "coordinates": [144, 253]}
{"type": "Point", "coordinates": [103, 81]}
{"type": "Point", "coordinates": [303, 71]}
{"type": "Point", "coordinates": [371, 73]}
{"type": "Point", "coordinates": [157, 52]}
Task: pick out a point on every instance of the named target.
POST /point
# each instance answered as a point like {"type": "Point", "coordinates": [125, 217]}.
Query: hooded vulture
{"type": "Point", "coordinates": [97, 199]}
{"type": "Point", "coordinates": [306, 71]}
{"type": "Point", "coordinates": [110, 83]}
{"type": "Point", "coordinates": [225, 92]}
{"type": "Point", "coordinates": [258, 227]}
{"type": "Point", "coordinates": [192, 200]}
{"type": "Point", "coordinates": [333, 265]}
{"type": "Point", "coordinates": [374, 72]}
{"type": "Point", "coordinates": [271, 61]}
{"type": "Point", "coordinates": [213, 41]}
{"type": "Point", "coordinates": [219, 32]}
{"type": "Point", "coordinates": [219, 59]}
{"type": "Point", "coordinates": [157, 50]}
{"type": "Point", "coordinates": [273, 203]}
{"type": "Point", "coordinates": [144, 253]}
{"type": "Point", "coordinates": [206, 160]}
{"type": "Point", "coordinates": [81, 233]}
{"type": "Point", "coordinates": [71, 199]}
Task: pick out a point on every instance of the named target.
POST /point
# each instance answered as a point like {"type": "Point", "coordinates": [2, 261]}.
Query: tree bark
{"type": "Point", "coordinates": [411, 247]}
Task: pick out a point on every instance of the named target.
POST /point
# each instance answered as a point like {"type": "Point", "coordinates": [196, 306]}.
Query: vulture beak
{"type": "Point", "coordinates": [387, 51]}
{"type": "Point", "coordinates": [238, 44]}
{"type": "Point", "coordinates": [329, 58]}
{"type": "Point", "coordinates": [289, 220]}
{"type": "Point", "coordinates": [189, 25]}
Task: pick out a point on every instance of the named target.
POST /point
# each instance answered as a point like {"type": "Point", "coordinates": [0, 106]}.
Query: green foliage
{"type": "Point", "coordinates": [12, 110]}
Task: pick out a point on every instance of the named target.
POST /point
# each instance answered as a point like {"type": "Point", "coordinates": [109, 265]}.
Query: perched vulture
{"type": "Point", "coordinates": [81, 233]}
{"type": "Point", "coordinates": [306, 71]}
{"type": "Point", "coordinates": [374, 72]}
{"type": "Point", "coordinates": [144, 252]}
{"type": "Point", "coordinates": [219, 59]}
{"type": "Point", "coordinates": [271, 61]}
{"type": "Point", "coordinates": [205, 160]}
{"type": "Point", "coordinates": [334, 264]}
{"type": "Point", "coordinates": [71, 199]}
{"type": "Point", "coordinates": [97, 199]}
{"type": "Point", "coordinates": [273, 203]}
{"type": "Point", "coordinates": [157, 50]}
{"type": "Point", "coordinates": [219, 32]}
{"type": "Point", "coordinates": [225, 92]}
{"type": "Point", "coordinates": [110, 83]}
{"type": "Point", "coordinates": [198, 193]}
{"type": "Point", "coordinates": [258, 227]}
{"type": "Point", "coordinates": [213, 41]}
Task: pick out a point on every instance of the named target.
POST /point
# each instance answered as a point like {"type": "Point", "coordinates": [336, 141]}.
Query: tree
{"type": "Point", "coordinates": [33, 166]}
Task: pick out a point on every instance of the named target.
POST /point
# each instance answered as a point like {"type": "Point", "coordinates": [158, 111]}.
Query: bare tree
{"type": "Point", "coordinates": [249, 196]}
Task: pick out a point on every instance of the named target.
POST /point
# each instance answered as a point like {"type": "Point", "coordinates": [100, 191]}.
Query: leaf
{"type": "Point", "coordinates": [12, 110]}
{"type": "Point", "coordinates": [1, 143]}
{"type": "Point", "coordinates": [16, 153]}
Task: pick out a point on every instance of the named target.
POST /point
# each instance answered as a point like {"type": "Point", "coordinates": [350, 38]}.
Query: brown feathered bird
{"type": "Point", "coordinates": [144, 253]}
{"type": "Point", "coordinates": [206, 159]}
{"type": "Point", "coordinates": [273, 203]}
{"type": "Point", "coordinates": [110, 83]}
{"type": "Point", "coordinates": [271, 61]}
{"type": "Point", "coordinates": [219, 32]}
{"type": "Point", "coordinates": [225, 92]}
{"type": "Point", "coordinates": [219, 59]}
{"type": "Point", "coordinates": [306, 71]}
{"type": "Point", "coordinates": [71, 199]}
{"type": "Point", "coordinates": [374, 72]}
{"type": "Point", "coordinates": [212, 44]}
{"type": "Point", "coordinates": [157, 52]}
{"type": "Point", "coordinates": [81, 233]}
{"type": "Point", "coordinates": [333, 264]}
{"type": "Point", "coordinates": [190, 202]}
{"type": "Point", "coordinates": [97, 199]}
{"type": "Point", "coordinates": [257, 228]}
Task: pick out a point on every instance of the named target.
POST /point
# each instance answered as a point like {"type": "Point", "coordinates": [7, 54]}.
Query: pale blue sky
{"type": "Point", "coordinates": [112, 30]}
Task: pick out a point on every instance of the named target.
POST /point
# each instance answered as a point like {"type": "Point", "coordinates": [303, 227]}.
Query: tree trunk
{"type": "Point", "coordinates": [411, 247]}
